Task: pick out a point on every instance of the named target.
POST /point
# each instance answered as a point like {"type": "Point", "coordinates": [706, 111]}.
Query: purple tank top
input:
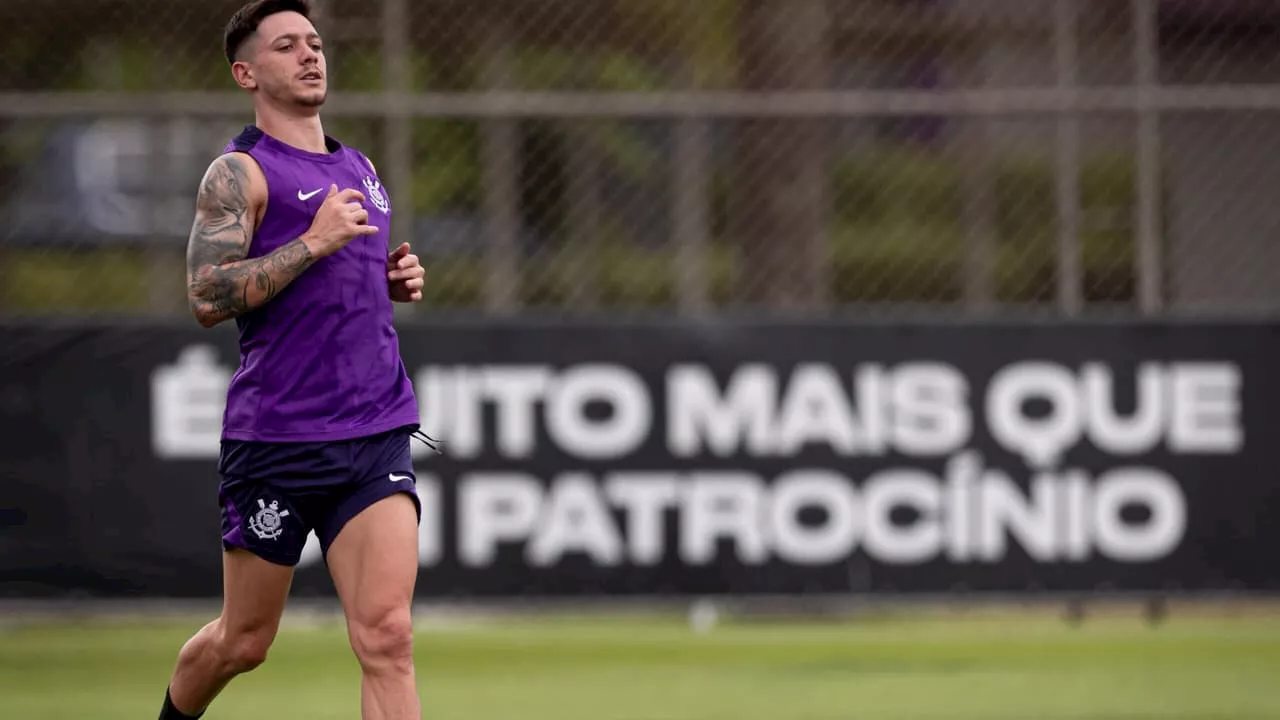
{"type": "Point", "coordinates": [321, 361]}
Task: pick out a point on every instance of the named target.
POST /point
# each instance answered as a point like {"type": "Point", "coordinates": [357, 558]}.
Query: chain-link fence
{"type": "Point", "coordinates": [669, 156]}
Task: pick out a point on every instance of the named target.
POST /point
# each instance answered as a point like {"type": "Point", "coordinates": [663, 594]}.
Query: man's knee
{"type": "Point", "coordinates": [383, 641]}
{"type": "Point", "coordinates": [245, 650]}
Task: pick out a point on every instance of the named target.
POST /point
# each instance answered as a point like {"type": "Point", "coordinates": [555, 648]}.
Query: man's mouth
{"type": "Point", "coordinates": [312, 75]}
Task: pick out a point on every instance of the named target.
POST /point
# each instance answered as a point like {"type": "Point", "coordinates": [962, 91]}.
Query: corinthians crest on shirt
{"type": "Point", "coordinates": [268, 522]}
{"type": "Point", "coordinates": [376, 196]}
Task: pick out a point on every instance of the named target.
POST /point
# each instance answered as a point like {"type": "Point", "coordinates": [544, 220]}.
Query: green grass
{"type": "Point", "coordinates": [1014, 668]}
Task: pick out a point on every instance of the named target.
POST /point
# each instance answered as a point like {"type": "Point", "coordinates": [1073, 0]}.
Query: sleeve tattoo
{"type": "Point", "coordinates": [221, 283]}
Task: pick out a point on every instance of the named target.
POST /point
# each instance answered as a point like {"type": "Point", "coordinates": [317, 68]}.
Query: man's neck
{"type": "Point", "coordinates": [304, 132]}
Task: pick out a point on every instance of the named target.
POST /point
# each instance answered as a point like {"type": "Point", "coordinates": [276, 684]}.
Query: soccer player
{"type": "Point", "coordinates": [290, 240]}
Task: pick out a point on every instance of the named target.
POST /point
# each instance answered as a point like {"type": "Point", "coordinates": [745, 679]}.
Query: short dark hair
{"type": "Point", "coordinates": [245, 22]}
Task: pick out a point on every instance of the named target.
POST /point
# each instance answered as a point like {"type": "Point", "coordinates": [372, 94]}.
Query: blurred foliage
{"type": "Point", "coordinates": [894, 236]}
{"type": "Point", "coordinates": [52, 280]}
{"type": "Point", "coordinates": [899, 238]}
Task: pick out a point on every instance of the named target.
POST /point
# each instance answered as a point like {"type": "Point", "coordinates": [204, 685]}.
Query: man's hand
{"type": "Point", "coordinates": [404, 275]}
{"type": "Point", "coordinates": [338, 221]}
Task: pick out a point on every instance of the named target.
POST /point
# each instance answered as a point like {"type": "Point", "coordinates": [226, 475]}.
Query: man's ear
{"type": "Point", "coordinates": [243, 75]}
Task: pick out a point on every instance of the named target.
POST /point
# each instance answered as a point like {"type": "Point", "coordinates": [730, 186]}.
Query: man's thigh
{"type": "Point", "coordinates": [269, 497]}
{"type": "Point", "coordinates": [255, 592]}
{"type": "Point", "coordinates": [374, 560]}
{"type": "Point", "coordinates": [371, 538]}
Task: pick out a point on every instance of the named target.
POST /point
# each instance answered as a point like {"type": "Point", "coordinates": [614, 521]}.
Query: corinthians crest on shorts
{"type": "Point", "coordinates": [375, 194]}
{"type": "Point", "coordinates": [268, 522]}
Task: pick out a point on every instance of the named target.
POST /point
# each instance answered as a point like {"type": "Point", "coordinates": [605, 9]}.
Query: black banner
{"type": "Point", "coordinates": [637, 459]}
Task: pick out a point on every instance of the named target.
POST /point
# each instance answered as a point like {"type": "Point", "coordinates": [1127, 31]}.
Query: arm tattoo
{"type": "Point", "coordinates": [221, 283]}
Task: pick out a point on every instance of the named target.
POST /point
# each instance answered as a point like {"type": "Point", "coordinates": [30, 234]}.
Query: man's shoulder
{"type": "Point", "coordinates": [246, 141]}
{"type": "Point", "coordinates": [241, 168]}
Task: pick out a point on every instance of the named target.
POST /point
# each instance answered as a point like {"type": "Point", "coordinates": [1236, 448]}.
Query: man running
{"type": "Point", "coordinates": [290, 240]}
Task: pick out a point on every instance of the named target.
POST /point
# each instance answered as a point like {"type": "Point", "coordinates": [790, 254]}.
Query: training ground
{"type": "Point", "coordinates": [1202, 661]}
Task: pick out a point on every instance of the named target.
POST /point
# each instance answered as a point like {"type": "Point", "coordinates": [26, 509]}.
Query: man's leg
{"type": "Point", "coordinates": [254, 596]}
{"type": "Point", "coordinates": [374, 564]}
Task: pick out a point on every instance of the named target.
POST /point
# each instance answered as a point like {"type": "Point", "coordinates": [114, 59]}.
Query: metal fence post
{"type": "Point", "coordinates": [500, 161]}
{"type": "Point", "coordinates": [1067, 163]}
{"type": "Point", "coordinates": [1146, 61]}
{"type": "Point", "coordinates": [692, 216]}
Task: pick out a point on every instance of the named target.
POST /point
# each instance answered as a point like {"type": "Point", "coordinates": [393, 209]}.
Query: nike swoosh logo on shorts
{"type": "Point", "coordinates": [309, 195]}
{"type": "Point", "coordinates": [397, 478]}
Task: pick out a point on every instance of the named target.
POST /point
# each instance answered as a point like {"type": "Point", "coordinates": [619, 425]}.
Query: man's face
{"type": "Point", "coordinates": [287, 60]}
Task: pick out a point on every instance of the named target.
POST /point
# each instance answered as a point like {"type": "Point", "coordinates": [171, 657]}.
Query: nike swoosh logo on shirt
{"type": "Point", "coordinates": [309, 195]}
{"type": "Point", "coordinates": [397, 478]}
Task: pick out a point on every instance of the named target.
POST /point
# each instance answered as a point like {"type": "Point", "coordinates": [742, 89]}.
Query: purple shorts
{"type": "Point", "coordinates": [273, 494]}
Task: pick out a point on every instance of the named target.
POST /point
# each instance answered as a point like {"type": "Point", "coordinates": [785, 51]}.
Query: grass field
{"type": "Point", "coordinates": [1014, 667]}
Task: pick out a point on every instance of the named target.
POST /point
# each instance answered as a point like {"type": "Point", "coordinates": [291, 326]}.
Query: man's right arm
{"type": "Point", "coordinates": [221, 283]}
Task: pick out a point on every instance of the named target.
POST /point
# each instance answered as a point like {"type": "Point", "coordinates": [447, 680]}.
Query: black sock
{"type": "Point", "coordinates": [169, 712]}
